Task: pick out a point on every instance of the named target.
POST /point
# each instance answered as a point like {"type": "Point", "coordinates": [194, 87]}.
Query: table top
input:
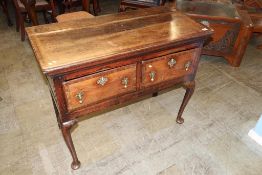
{"type": "Point", "coordinates": [207, 8]}
{"type": "Point", "coordinates": [69, 44]}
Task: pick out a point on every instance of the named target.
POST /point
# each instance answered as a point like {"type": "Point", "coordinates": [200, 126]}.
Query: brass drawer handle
{"type": "Point", "coordinates": [125, 82]}
{"type": "Point", "coordinates": [187, 65]}
{"type": "Point", "coordinates": [80, 96]}
{"type": "Point", "coordinates": [171, 62]}
{"type": "Point", "coordinates": [102, 81]}
{"type": "Point", "coordinates": [152, 75]}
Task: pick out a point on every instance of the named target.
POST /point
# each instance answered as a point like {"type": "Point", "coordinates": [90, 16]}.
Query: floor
{"type": "Point", "coordinates": [140, 139]}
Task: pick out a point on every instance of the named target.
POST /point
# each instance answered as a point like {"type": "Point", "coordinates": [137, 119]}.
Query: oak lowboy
{"type": "Point", "coordinates": [93, 64]}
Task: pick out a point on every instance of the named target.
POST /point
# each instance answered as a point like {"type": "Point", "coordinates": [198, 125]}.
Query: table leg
{"type": "Point", "coordinates": [190, 87]}
{"type": "Point", "coordinates": [66, 127]}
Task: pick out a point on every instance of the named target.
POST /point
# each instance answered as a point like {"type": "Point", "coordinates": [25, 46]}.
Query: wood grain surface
{"type": "Point", "coordinates": [163, 71]}
{"type": "Point", "coordinates": [73, 43]}
{"type": "Point", "coordinates": [94, 92]}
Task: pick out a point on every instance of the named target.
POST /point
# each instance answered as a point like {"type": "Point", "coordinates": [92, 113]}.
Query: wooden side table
{"type": "Point", "coordinates": [93, 64]}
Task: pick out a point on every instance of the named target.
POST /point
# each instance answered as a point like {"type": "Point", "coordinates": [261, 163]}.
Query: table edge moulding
{"type": "Point", "coordinates": [93, 64]}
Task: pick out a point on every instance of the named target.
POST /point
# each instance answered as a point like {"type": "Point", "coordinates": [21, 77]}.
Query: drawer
{"type": "Point", "coordinates": [94, 88]}
{"type": "Point", "coordinates": [168, 67]}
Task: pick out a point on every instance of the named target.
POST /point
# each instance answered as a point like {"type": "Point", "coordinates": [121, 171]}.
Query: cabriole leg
{"type": "Point", "coordinates": [190, 87]}
{"type": "Point", "coordinates": [68, 139]}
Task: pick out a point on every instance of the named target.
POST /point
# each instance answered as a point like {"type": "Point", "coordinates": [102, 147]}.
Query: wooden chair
{"type": "Point", "coordinates": [257, 22]}
{"type": "Point", "coordinates": [253, 3]}
{"type": "Point", "coordinates": [31, 7]}
{"type": "Point", "coordinates": [3, 4]}
{"type": "Point", "coordinates": [134, 4]}
{"type": "Point", "coordinates": [68, 4]}
{"type": "Point", "coordinates": [73, 16]}
{"type": "Point", "coordinates": [254, 9]}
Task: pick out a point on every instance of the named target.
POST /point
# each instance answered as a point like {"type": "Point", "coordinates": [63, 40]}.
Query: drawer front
{"type": "Point", "coordinates": [168, 67]}
{"type": "Point", "coordinates": [90, 89]}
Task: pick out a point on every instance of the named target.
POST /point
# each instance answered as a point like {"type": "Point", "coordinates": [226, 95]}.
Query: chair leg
{"type": "Point", "coordinates": [17, 21]}
{"type": "Point", "coordinates": [86, 5]}
{"type": "Point", "coordinates": [53, 18]}
{"type": "Point", "coordinates": [5, 10]}
{"type": "Point", "coordinates": [22, 27]}
{"type": "Point", "coordinates": [53, 11]}
{"type": "Point", "coordinates": [97, 5]}
{"type": "Point", "coordinates": [94, 8]}
{"type": "Point", "coordinates": [67, 6]}
{"type": "Point", "coordinates": [122, 8]}
{"type": "Point", "coordinates": [45, 17]}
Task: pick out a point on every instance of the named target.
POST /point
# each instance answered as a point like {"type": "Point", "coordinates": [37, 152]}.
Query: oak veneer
{"type": "Point", "coordinates": [115, 59]}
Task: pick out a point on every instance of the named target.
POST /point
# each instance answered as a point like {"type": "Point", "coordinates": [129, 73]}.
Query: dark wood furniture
{"type": "Point", "coordinates": [68, 4]}
{"type": "Point", "coordinates": [257, 4]}
{"type": "Point", "coordinates": [118, 58]}
{"type": "Point", "coordinates": [124, 4]}
{"type": "Point", "coordinates": [232, 28]}
{"type": "Point", "coordinates": [254, 8]}
{"type": "Point", "coordinates": [31, 7]}
{"type": "Point", "coordinates": [4, 6]}
{"type": "Point", "coordinates": [257, 21]}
